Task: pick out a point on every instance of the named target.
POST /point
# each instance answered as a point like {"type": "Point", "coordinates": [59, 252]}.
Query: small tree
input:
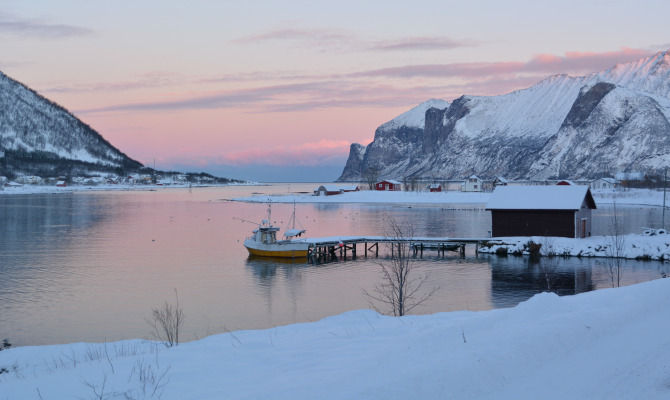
{"type": "Point", "coordinates": [371, 176]}
{"type": "Point", "coordinates": [616, 247]}
{"type": "Point", "coordinates": [167, 321]}
{"type": "Point", "coordinates": [400, 290]}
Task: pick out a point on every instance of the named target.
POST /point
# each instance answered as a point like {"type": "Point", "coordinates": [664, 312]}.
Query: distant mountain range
{"type": "Point", "coordinates": [563, 127]}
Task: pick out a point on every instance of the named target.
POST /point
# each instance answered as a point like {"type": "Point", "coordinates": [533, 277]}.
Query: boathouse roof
{"type": "Point", "coordinates": [552, 197]}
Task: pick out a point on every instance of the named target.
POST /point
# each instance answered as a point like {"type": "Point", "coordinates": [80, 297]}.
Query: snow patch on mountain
{"type": "Point", "coordinates": [416, 117]}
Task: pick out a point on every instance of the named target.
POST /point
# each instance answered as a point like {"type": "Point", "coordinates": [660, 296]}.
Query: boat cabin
{"type": "Point", "coordinates": [266, 234]}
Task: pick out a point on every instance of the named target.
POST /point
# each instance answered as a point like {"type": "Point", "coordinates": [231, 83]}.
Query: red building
{"type": "Point", "coordinates": [388, 184]}
{"type": "Point", "coordinates": [435, 187]}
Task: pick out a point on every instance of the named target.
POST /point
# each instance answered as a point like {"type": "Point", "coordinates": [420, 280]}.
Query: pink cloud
{"type": "Point", "coordinates": [312, 153]}
{"type": "Point", "coordinates": [583, 62]}
{"type": "Point", "coordinates": [570, 63]}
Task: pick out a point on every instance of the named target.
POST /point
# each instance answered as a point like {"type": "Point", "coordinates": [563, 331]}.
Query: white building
{"type": "Point", "coordinates": [472, 184]}
{"type": "Point", "coordinates": [604, 184]}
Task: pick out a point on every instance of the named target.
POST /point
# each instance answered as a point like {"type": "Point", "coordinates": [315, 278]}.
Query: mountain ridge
{"type": "Point", "coordinates": [531, 133]}
{"type": "Point", "coordinates": [38, 135]}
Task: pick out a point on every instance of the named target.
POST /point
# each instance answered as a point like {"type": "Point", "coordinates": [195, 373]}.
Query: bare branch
{"type": "Point", "coordinates": [167, 321]}
{"type": "Point", "coordinates": [399, 290]}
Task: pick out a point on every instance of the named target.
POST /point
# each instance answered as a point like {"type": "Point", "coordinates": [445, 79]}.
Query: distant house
{"type": "Point", "coordinates": [350, 188]}
{"type": "Point", "coordinates": [388, 184]}
{"type": "Point", "coordinates": [500, 181]}
{"type": "Point", "coordinates": [61, 184]}
{"type": "Point", "coordinates": [556, 210]}
{"type": "Point", "coordinates": [604, 184]}
{"type": "Point", "coordinates": [472, 184]}
{"type": "Point", "coordinates": [30, 180]}
{"type": "Point", "coordinates": [565, 182]}
{"type": "Point", "coordinates": [327, 190]}
{"type": "Point", "coordinates": [434, 187]}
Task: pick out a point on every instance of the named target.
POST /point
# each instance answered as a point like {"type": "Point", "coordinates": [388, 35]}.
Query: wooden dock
{"type": "Point", "coordinates": [327, 248]}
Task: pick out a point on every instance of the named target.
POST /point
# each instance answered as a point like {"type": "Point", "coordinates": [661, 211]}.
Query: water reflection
{"type": "Point", "coordinates": [90, 266]}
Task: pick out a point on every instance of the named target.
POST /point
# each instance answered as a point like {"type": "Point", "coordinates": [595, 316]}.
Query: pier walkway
{"type": "Point", "coordinates": [326, 248]}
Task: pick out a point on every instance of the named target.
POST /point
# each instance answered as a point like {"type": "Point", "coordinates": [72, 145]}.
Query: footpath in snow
{"type": "Point", "coordinates": [633, 246]}
{"type": "Point", "coordinates": [629, 197]}
{"type": "Point", "coordinates": [606, 344]}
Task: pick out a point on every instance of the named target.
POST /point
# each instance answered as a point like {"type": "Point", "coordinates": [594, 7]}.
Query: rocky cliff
{"type": "Point", "coordinates": [562, 127]}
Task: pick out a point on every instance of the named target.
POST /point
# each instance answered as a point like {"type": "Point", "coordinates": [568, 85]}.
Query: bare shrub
{"type": "Point", "coordinates": [167, 322]}
{"type": "Point", "coordinates": [616, 247]}
{"type": "Point", "coordinates": [548, 246]}
{"type": "Point", "coordinates": [400, 290]}
{"type": "Point", "coordinates": [533, 248]}
{"type": "Point", "coordinates": [150, 379]}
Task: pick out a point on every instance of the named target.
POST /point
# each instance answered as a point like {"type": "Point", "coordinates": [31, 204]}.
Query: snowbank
{"type": "Point", "coordinates": [632, 246]}
{"type": "Point", "coordinates": [606, 344]}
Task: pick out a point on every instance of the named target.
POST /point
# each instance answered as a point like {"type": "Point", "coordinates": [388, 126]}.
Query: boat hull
{"type": "Point", "coordinates": [283, 250]}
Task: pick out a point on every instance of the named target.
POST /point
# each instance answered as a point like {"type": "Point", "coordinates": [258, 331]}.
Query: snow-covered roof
{"type": "Point", "coordinates": [328, 188]}
{"type": "Point", "coordinates": [293, 232]}
{"type": "Point", "coordinates": [393, 181]}
{"type": "Point", "coordinates": [349, 188]}
{"type": "Point", "coordinates": [553, 197]}
{"type": "Point", "coordinates": [501, 179]}
{"type": "Point", "coordinates": [434, 185]}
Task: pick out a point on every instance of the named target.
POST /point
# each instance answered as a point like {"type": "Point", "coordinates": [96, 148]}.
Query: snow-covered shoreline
{"type": "Point", "coordinates": [49, 189]}
{"type": "Point", "coordinates": [632, 246]}
{"type": "Point", "coordinates": [372, 196]}
{"type": "Point", "coordinates": [644, 197]}
{"type": "Point", "coordinates": [605, 344]}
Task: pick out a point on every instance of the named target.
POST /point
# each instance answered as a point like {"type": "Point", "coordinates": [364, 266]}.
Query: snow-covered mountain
{"type": "Point", "coordinates": [40, 137]}
{"type": "Point", "coordinates": [562, 127]}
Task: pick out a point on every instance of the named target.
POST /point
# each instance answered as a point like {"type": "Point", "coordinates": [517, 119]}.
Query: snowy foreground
{"type": "Point", "coordinates": [606, 344]}
{"type": "Point", "coordinates": [630, 197]}
{"type": "Point", "coordinates": [633, 246]}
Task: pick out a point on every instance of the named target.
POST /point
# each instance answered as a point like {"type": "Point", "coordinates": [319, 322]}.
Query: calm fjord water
{"type": "Point", "coordinates": [90, 266]}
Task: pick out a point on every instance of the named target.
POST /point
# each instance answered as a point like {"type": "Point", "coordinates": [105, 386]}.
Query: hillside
{"type": "Point", "coordinates": [40, 137]}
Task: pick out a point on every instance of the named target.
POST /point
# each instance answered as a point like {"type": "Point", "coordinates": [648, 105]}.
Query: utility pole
{"type": "Point", "coordinates": [665, 181]}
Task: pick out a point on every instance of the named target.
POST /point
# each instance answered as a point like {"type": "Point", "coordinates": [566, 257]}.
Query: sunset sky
{"type": "Point", "coordinates": [279, 90]}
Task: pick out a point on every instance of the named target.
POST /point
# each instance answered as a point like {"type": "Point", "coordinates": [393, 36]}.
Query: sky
{"type": "Point", "coordinates": [277, 91]}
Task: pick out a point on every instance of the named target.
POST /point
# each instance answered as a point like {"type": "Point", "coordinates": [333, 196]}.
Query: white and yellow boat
{"type": "Point", "coordinates": [263, 241]}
